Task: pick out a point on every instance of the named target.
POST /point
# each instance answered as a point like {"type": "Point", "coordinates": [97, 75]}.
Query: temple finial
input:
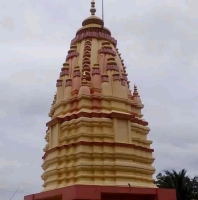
{"type": "Point", "coordinates": [93, 9]}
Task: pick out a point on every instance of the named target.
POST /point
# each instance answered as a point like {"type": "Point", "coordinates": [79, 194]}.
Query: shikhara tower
{"type": "Point", "coordinates": [97, 137]}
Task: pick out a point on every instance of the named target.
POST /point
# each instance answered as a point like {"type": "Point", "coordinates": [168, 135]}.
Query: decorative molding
{"type": "Point", "coordinates": [59, 83]}
{"type": "Point", "coordinates": [98, 35]}
{"type": "Point", "coordinates": [68, 82]}
{"type": "Point", "coordinates": [111, 144]}
{"type": "Point", "coordinates": [107, 51]}
{"type": "Point", "coordinates": [95, 70]}
{"type": "Point", "coordinates": [76, 73]}
{"type": "Point", "coordinates": [64, 72]}
{"type": "Point", "coordinates": [123, 82]}
{"type": "Point", "coordinates": [71, 55]}
{"type": "Point", "coordinates": [113, 67]}
{"type": "Point", "coordinates": [111, 115]}
{"type": "Point", "coordinates": [105, 78]}
{"type": "Point", "coordinates": [116, 77]}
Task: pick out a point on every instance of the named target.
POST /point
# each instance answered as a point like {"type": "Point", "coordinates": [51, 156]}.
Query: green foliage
{"type": "Point", "coordinates": [186, 187]}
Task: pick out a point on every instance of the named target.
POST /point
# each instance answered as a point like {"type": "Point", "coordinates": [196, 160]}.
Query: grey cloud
{"type": "Point", "coordinates": [23, 102]}
{"type": "Point", "coordinates": [179, 157]}
{"type": "Point", "coordinates": [164, 31]}
{"type": "Point", "coordinates": [7, 23]}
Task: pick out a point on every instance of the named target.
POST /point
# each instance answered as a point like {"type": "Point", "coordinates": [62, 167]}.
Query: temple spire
{"type": "Point", "coordinates": [93, 9]}
{"type": "Point", "coordinates": [94, 109]}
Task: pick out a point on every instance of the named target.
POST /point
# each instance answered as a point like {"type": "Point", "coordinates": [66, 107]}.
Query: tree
{"type": "Point", "coordinates": [186, 187]}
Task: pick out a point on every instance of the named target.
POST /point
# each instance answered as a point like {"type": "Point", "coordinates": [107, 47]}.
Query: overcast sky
{"type": "Point", "coordinates": [158, 41]}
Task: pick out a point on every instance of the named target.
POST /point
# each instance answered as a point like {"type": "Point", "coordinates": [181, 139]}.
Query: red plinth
{"type": "Point", "coordinates": [85, 192]}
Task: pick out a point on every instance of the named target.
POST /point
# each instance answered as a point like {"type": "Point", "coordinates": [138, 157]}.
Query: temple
{"type": "Point", "coordinates": [97, 146]}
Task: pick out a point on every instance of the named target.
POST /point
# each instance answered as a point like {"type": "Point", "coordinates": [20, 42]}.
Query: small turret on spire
{"type": "Point", "coordinates": [93, 9]}
{"type": "Point", "coordinates": [84, 88]}
{"type": "Point", "coordinates": [136, 95]}
{"type": "Point", "coordinates": [135, 92]}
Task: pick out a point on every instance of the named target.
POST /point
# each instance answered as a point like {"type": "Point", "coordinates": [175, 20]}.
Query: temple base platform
{"type": "Point", "coordinates": [87, 192]}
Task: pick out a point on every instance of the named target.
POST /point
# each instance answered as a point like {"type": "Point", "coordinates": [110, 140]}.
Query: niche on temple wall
{"type": "Point", "coordinates": [136, 110]}
{"type": "Point", "coordinates": [121, 130]}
